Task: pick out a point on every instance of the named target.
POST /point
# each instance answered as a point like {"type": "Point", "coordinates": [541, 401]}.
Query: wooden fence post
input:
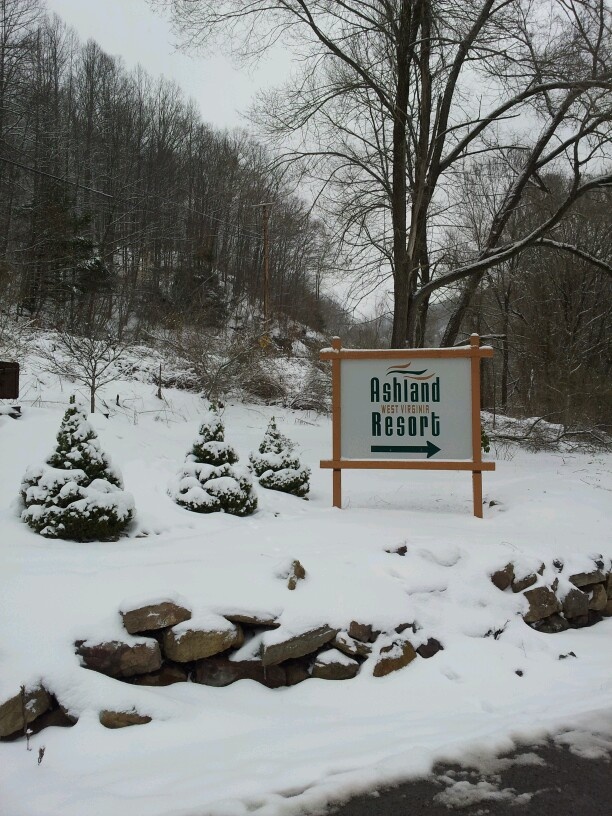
{"type": "Point", "coordinates": [336, 426]}
{"type": "Point", "coordinates": [476, 430]}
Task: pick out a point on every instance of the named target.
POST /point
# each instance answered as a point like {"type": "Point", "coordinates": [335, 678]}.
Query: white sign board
{"type": "Point", "coordinates": [406, 409]}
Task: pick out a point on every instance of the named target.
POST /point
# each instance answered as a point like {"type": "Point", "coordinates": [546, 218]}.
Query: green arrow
{"type": "Point", "coordinates": [430, 449]}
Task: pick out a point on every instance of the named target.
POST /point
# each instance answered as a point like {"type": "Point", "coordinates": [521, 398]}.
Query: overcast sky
{"type": "Point", "coordinates": [130, 29]}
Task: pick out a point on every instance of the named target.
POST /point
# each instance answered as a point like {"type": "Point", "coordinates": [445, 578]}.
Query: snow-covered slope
{"type": "Point", "coordinates": [247, 749]}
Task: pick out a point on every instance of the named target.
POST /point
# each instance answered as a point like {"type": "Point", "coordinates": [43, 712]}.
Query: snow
{"type": "Point", "coordinates": [334, 657]}
{"type": "Point", "coordinates": [246, 749]}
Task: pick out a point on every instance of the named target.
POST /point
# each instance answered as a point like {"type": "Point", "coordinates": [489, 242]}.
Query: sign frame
{"type": "Point", "coordinates": [474, 352]}
{"type": "Point", "coordinates": [9, 380]}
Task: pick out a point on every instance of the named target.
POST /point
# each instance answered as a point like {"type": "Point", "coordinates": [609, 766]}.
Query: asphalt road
{"type": "Point", "coordinates": [563, 785]}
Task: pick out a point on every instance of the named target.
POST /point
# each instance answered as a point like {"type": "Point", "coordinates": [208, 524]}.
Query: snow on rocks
{"type": "Point", "coordinates": [292, 573]}
{"type": "Point", "coordinates": [276, 648]}
{"type": "Point", "coordinates": [195, 639]}
{"type": "Point", "coordinates": [21, 709]}
{"type": "Point", "coordinates": [122, 719]}
{"type": "Point", "coordinates": [555, 605]}
{"type": "Point", "coordinates": [154, 616]}
{"type": "Point", "coordinates": [118, 659]}
{"type": "Point", "coordinates": [334, 665]}
{"type": "Point", "coordinates": [394, 656]}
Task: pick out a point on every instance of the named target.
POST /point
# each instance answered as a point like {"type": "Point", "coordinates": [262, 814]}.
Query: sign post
{"type": "Point", "coordinates": [408, 409]}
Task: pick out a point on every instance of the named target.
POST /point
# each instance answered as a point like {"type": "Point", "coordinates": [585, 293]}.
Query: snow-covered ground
{"type": "Point", "coordinates": [247, 749]}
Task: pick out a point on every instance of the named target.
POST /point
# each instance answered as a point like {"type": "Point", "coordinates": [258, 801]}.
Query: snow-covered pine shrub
{"type": "Point", "coordinates": [210, 481]}
{"type": "Point", "coordinates": [277, 466]}
{"type": "Point", "coordinates": [76, 494]}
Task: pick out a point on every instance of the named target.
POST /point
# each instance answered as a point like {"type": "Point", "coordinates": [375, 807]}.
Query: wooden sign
{"type": "Point", "coordinates": [9, 380]}
{"type": "Point", "coordinates": [409, 409]}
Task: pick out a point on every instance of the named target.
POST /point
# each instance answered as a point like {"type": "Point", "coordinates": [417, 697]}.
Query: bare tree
{"type": "Point", "coordinates": [92, 361]}
{"type": "Point", "coordinates": [400, 98]}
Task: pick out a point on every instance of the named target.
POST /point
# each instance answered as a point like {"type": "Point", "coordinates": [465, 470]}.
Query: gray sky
{"type": "Point", "coordinates": [130, 29]}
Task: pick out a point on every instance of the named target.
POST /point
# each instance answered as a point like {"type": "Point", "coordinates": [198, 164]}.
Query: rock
{"type": "Point", "coordinates": [219, 672]}
{"type": "Point", "coordinates": [542, 604]}
{"type": "Point", "coordinates": [54, 718]}
{"type": "Point", "coordinates": [581, 579]}
{"type": "Point", "coordinates": [297, 646]}
{"type": "Point", "coordinates": [263, 621]}
{"type": "Point", "coordinates": [579, 623]}
{"type": "Point", "coordinates": [169, 674]}
{"type": "Point", "coordinates": [402, 627]}
{"type": "Point", "coordinates": [334, 665]}
{"type": "Point", "coordinates": [520, 584]}
{"type": "Point", "coordinates": [353, 648]}
{"type": "Point", "coordinates": [35, 701]}
{"type": "Point", "coordinates": [607, 610]}
{"type": "Point", "coordinates": [575, 604]}
{"type": "Point", "coordinates": [429, 649]}
{"type": "Point", "coordinates": [393, 657]}
{"type": "Point", "coordinates": [186, 645]}
{"type": "Point", "coordinates": [401, 550]}
{"type": "Point", "coordinates": [551, 625]}
{"type": "Point", "coordinates": [154, 616]}
{"type": "Point", "coordinates": [296, 573]}
{"type": "Point", "coordinates": [121, 719]}
{"type": "Point", "coordinates": [360, 631]}
{"type": "Point", "coordinates": [599, 598]}
{"type": "Point", "coordinates": [609, 585]}
{"type": "Point", "coordinates": [118, 659]}
{"type": "Point", "coordinates": [503, 578]}
{"type": "Point", "coordinates": [594, 617]}
{"type": "Point", "coordinates": [296, 671]}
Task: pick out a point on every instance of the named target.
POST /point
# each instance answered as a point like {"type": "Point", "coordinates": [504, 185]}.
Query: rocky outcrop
{"type": "Point", "coordinates": [334, 665]}
{"type": "Point", "coordinates": [220, 671]}
{"type": "Point", "coordinates": [296, 573]}
{"type": "Point", "coordinates": [257, 621]}
{"type": "Point", "coordinates": [393, 657]}
{"type": "Point", "coordinates": [523, 583]}
{"type": "Point", "coordinates": [167, 675]}
{"type": "Point", "coordinates": [542, 603]}
{"type": "Point", "coordinates": [118, 659]}
{"type": "Point", "coordinates": [551, 610]}
{"type": "Point", "coordinates": [154, 616]}
{"type": "Point", "coordinates": [26, 704]}
{"type": "Point", "coordinates": [583, 579]}
{"type": "Point", "coordinates": [362, 632]}
{"type": "Point", "coordinates": [122, 719]}
{"type": "Point", "coordinates": [297, 645]}
{"type": "Point", "coordinates": [351, 647]}
{"type": "Point", "coordinates": [430, 648]}
{"type": "Point", "coordinates": [185, 645]}
{"type": "Point", "coordinates": [575, 604]}
{"type": "Point", "coordinates": [503, 578]}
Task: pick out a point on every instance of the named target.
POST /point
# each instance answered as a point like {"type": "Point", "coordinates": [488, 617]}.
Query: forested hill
{"type": "Point", "coordinates": [118, 201]}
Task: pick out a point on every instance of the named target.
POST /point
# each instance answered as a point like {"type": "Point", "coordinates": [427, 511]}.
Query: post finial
{"type": "Point", "coordinates": [336, 343]}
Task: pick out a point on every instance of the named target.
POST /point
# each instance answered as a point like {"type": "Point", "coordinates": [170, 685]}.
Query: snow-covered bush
{"type": "Point", "coordinates": [277, 466]}
{"type": "Point", "coordinates": [210, 481]}
{"type": "Point", "coordinates": [76, 494]}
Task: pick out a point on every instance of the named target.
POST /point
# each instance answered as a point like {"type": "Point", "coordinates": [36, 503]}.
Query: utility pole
{"type": "Point", "coordinates": [266, 263]}
{"type": "Point", "coordinates": [266, 267]}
